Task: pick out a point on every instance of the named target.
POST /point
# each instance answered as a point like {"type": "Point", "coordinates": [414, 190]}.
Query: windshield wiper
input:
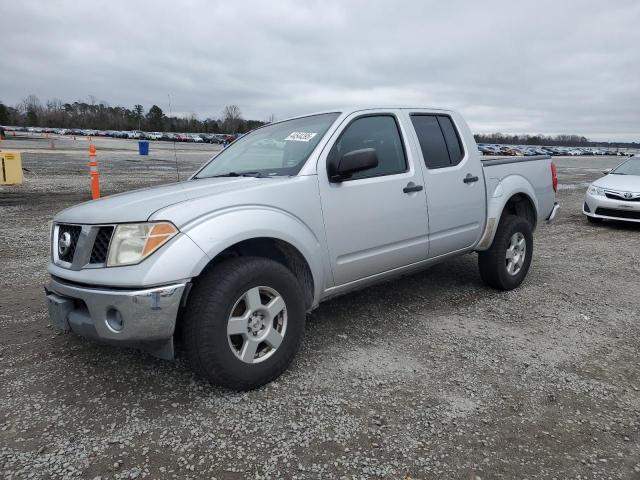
{"type": "Point", "coordinates": [239, 174]}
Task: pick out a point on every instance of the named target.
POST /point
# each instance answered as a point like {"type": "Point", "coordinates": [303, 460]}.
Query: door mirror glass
{"type": "Point", "coordinates": [353, 162]}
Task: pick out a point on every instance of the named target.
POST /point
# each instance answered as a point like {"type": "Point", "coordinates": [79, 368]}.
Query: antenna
{"type": "Point", "coordinates": [175, 154]}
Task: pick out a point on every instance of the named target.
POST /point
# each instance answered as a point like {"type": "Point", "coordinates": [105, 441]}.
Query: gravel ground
{"type": "Point", "coordinates": [430, 376]}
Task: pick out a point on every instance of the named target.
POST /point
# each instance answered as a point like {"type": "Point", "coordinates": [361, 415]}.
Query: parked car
{"type": "Point", "coordinates": [616, 196]}
{"type": "Point", "coordinates": [233, 258]}
{"type": "Point", "coordinates": [489, 149]}
{"type": "Point", "coordinates": [553, 151]}
{"type": "Point", "coordinates": [196, 138]}
{"type": "Point", "coordinates": [509, 151]}
{"type": "Point", "coordinates": [541, 151]}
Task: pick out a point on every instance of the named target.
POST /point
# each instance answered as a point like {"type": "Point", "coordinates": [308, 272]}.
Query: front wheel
{"type": "Point", "coordinates": [506, 263]}
{"type": "Point", "coordinates": [244, 322]}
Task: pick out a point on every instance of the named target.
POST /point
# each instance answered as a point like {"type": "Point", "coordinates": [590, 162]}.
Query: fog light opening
{"type": "Point", "coordinates": [114, 320]}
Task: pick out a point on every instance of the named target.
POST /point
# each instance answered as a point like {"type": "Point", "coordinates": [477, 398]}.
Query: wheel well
{"type": "Point", "coordinates": [277, 250]}
{"type": "Point", "coordinates": [521, 205]}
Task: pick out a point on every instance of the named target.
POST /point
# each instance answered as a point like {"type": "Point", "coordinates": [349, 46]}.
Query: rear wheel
{"type": "Point", "coordinates": [244, 322]}
{"type": "Point", "coordinates": [506, 263]}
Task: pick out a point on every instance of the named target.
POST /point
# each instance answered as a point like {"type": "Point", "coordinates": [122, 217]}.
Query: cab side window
{"type": "Point", "coordinates": [439, 140]}
{"type": "Point", "coordinates": [380, 132]}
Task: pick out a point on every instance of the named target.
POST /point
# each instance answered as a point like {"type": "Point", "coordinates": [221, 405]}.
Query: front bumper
{"type": "Point", "coordinates": [142, 318]}
{"type": "Point", "coordinates": [609, 209]}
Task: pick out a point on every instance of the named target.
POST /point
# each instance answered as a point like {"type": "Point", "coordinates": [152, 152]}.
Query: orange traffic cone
{"type": "Point", "coordinates": [93, 171]}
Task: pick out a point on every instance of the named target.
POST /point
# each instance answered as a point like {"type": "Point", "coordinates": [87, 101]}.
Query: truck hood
{"type": "Point", "coordinates": [624, 183]}
{"type": "Point", "coordinates": [139, 205]}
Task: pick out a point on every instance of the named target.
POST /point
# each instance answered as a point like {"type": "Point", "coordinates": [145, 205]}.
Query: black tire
{"type": "Point", "coordinates": [207, 312]}
{"type": "Point", "coordinates": [593, 219]}
{"type": "Point", "coordinates": [493, 262]}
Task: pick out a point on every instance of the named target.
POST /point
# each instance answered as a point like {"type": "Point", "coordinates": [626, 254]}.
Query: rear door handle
{"type": "Point", "coordinates": [470, 178]}
{"type": "Point", "coordinates": [411, 187]}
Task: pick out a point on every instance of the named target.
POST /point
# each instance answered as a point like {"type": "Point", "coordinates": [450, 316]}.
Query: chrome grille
{"type": "Point", "coordinates": [101, 245]}
{"type": "Point", "coordinates": [624, 196]}
{"type": "Point", "coordinates": [88, 245]}
{"type": "Point", "coordinates": [67, 254]}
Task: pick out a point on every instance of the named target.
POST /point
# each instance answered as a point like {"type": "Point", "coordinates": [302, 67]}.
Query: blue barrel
{"type": "Point", "coordinates": [143, 148]}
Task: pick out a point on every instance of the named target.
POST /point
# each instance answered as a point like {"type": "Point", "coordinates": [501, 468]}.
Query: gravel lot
{"type": "Point", "coordinates": [430, 376]}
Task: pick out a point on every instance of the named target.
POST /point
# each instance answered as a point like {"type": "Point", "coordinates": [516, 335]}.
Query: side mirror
{"type": "Point", "coordinates": [352, 162]}
{"type": "Point", "coordinates": [607, 171]}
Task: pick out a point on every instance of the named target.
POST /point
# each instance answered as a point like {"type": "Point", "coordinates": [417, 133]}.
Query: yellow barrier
{"type": "Point", "coordinates": [10, 168]}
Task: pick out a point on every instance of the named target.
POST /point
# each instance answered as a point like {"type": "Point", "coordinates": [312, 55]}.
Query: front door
{"type": "Point", "coordinates": [376, 220]}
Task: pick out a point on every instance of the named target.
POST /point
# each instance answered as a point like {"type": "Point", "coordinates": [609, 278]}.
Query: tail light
{"type": "Point", "coordinates": [554, 177]}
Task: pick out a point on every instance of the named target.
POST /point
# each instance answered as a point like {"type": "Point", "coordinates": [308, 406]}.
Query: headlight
{"type": "Point", "coordinates": [593, 190]}
{"type": "Point", "coordinates": [133, 242]}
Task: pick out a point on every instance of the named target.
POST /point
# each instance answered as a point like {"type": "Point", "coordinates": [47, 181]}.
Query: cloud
{"type": "Point", "coordinates": [537, 67]}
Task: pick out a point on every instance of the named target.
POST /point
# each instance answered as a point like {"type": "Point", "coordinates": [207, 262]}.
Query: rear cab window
{"type": "Point", "coordinates": [439, 140]}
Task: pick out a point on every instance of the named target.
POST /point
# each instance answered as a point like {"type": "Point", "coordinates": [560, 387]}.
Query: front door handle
{"type": "Point", "coordinates": [412, 187]}
{"type": "Point", "coordinates": [470, 178]}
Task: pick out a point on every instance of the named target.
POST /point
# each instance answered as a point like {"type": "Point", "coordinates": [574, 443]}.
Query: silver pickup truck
{"type": "Point", "coordinates": [290, 215]}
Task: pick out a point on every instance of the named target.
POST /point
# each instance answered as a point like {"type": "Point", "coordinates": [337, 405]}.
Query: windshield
{"type": "Point", "coordinates": [630, 167]}
{"type": "Point", "coordinates": [278, 149]}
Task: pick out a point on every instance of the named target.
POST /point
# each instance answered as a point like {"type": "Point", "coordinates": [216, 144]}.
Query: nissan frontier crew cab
{"type": "Point", "coordinates": [290, 215]}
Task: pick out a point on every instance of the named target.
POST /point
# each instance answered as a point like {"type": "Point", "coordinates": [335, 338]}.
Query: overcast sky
{"type": "Point", "coordinates": [510, 66]}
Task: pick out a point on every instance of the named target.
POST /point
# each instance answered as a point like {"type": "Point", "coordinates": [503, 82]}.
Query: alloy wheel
{"type": "Point", "coordinates": [516, 253]}
{"type": "Point", "coordinates": [257, 324]}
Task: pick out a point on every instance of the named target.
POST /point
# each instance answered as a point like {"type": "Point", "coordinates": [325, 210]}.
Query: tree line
{"type": "Point", "coordinates": [548, 140]}
{"type": "Point", "coordinates": [91, 114]}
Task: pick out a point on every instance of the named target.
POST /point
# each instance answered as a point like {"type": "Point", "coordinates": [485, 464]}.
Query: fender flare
{"type": "Point", "coordinates": [219, 230]}
{"type": "Point", "coordinates": [506, 188]}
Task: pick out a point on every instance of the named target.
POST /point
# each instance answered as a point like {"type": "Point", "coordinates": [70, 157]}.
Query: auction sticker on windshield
{"type": "Point", "coordinates": [300, 136]}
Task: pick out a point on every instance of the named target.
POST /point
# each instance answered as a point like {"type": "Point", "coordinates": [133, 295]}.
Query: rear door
{"type": "Point", "coordinates": [376, 220]}
{"type": "Point", "coordinates": [454, 183]}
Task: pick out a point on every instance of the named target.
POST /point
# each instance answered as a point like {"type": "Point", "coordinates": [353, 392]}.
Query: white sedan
{"type": "Point", "coordinates": [616, 196]}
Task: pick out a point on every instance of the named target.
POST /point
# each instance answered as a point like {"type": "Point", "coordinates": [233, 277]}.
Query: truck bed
{"type": "Point", "coordinates": [491, 161]}
{"type": "Point", "coordinates": [535, 170]}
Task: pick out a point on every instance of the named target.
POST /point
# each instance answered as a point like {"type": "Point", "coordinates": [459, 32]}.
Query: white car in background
{"type": "Point", "coordinates": [616, 196]}
{"type": "Point", "coordinates": [196, 138]}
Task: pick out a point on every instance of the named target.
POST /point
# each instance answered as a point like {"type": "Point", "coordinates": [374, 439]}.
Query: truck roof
{"type": "Point", "coordinates": [347, 110]}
